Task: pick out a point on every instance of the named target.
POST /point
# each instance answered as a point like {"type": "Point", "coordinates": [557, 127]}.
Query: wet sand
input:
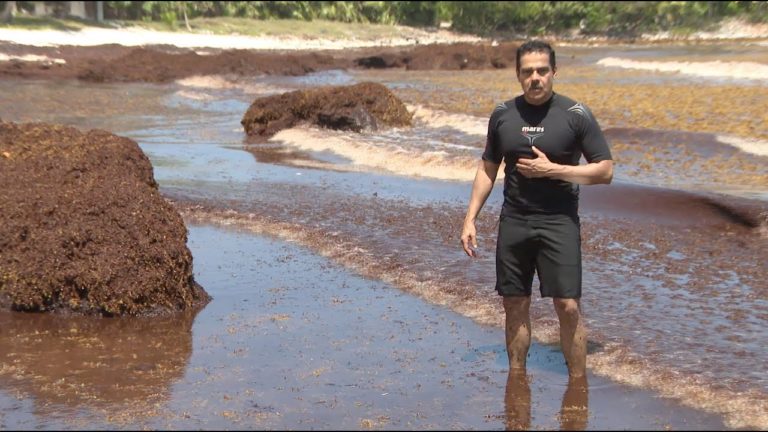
{"type": "Point", "coordinates": [293, 341]}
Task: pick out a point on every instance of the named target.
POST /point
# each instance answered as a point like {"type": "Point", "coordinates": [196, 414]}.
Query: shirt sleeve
{"type": "Point", "coordinates": [593, 143]}
{"type": "Point", "coordinates": [492, 151]}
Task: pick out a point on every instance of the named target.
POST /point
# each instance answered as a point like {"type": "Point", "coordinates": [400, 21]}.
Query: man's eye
{"type": "Point", "coordinates": [541, 71]}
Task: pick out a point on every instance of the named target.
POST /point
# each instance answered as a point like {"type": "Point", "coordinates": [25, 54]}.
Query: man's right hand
{"type": "Point", "coordinates": [469, 239]}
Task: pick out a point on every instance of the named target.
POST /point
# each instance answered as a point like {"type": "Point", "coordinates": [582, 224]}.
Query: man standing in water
{"type": "Point", "coordinates": [540, 136]}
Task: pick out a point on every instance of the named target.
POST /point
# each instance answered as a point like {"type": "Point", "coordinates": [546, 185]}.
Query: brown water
{"type": "Point", "coordinates": [293, 341]}
{"type": "Point", "coordinates": [675, 295]}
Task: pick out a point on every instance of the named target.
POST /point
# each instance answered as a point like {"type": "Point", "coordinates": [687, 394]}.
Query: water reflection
{"type": "Point", "coordinates": [574, 410]}
{"type": "Point", "coordinates": [517, 402]}
{"type": "Point", "coordinates": [71, 362]}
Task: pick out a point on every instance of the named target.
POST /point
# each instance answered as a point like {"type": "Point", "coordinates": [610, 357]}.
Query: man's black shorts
{"type": "Point", "coordinates": [548, 244]}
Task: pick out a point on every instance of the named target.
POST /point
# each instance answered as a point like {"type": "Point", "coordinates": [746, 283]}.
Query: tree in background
{"type": "Point", "coordinates": [609, 17]}
{"type": "Point", "coordinates": [9, 9]}
{"type": "Point", "coordinates": [479, 17]}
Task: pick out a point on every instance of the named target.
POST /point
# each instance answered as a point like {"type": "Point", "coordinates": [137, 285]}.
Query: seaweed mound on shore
{"type": "Point", "coordinates": [164, 63]}
{"type": "Point", "coordinates": [357, 107]}
{"type": "Point", "coordinates": [458, 56]}
{"type": "Point", "coordinates": [151, 65]}
{"type": "Point", "coordinates": [83, 227]}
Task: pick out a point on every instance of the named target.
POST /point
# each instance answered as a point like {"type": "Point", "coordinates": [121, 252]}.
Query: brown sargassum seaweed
{"type": "Point", "coordinates": [83, 227]}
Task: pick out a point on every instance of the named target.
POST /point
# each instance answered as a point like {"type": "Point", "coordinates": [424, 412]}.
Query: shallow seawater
{"type": "Point", "coordinates": [674, 250]}
{"type": "Point", "coordinates": [293, 340]}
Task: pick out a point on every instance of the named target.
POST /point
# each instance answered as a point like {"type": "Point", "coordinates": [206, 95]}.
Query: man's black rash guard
{"type": "Point", "coordinates": [563, 130]}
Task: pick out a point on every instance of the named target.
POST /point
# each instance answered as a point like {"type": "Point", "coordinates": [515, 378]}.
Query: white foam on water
{"type": "Point", "coordinates": [206, 81]}
{"type": "Point", "coordinates": [31, 58]}
{"type": "Point", "coordinates": [754, 146]}
{"type": "Point", "coordinates": [454, 146]}
{"type": "Point", "coordinates": [715, 69]}
{"type": "Point", "coordinates": [222, 83]}
{"type": "Point", "coordinates": [199, 96]}
{"type": "Point", "coordinates": [468, 124]}
{"type": "Point", "coordinates": [378, 156]}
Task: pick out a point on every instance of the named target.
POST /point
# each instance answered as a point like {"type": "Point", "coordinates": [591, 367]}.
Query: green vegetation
{"type": "Point", "coordinates": [45, 23]}
{"type": "Point", "coordinates": [595, 17]}
{"type": "Point", "coordinates": [225, 26]}
{"type": "Point", "coordinates": [274, 27]}
{"type": "Point", "coordinates": [625, 18]}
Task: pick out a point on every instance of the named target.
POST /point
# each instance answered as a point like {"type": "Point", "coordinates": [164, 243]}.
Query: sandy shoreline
{"type": "Point", "coordinates": [140, 37]}
{"type": "Point", "coordinates": [729, 30]}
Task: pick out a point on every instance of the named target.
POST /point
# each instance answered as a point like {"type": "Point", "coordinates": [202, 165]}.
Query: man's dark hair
{"type": "Point", "coordinates": [536, 46]}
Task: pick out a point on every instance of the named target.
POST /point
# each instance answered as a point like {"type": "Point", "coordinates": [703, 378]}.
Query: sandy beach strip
{"type": "Point", "coordinates": [142, 37]}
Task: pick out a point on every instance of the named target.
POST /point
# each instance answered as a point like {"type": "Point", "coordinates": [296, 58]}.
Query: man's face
{"type": "Point", "coordinates": [536, 77]}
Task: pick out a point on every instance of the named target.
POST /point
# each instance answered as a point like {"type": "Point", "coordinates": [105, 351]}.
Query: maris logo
{"type": "Point", "coordinates": [532, 132]}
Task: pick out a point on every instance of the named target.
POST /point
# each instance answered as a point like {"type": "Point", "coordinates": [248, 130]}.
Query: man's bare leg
{"type": "Point", "coordinates": [573, 335]}
{"type": "Point", "coordinates": [517, 331]}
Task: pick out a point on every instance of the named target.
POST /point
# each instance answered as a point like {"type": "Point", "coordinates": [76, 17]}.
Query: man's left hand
{"type": "Point", "coordinates": [534, 168]}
